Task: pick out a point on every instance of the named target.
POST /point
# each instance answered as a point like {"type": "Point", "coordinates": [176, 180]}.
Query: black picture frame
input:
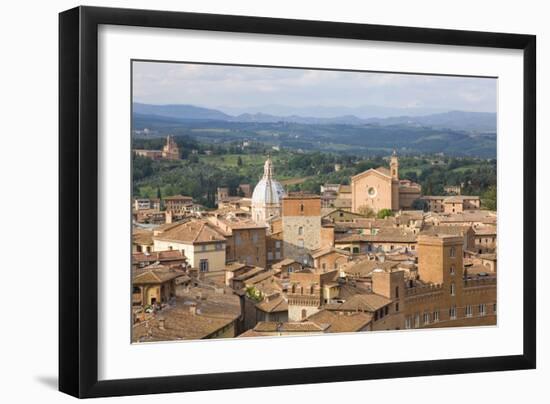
{"type": "Point", "coordinates": [78, 200]}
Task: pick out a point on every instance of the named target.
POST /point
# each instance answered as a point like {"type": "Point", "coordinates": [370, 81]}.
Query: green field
{"type": "Point", "coordinates": [205, 167]}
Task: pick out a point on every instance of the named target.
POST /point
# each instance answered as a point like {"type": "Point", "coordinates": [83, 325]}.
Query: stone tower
{"type": "Point", "coordinates": [440, 261]}
{"type": "Point", "coordinates": [394, 166]}
{"type": "Point", "coordinates": [301, 226]}
{"type": "Point", "coordinates": [440, 258]}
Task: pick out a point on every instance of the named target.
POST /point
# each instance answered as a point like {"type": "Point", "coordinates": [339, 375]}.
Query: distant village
{"type": "Point", "coordinates": [272, 263]}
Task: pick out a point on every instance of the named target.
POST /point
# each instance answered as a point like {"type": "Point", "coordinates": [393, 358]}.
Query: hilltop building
{"type": "Point", "coordinates": [170, 151]}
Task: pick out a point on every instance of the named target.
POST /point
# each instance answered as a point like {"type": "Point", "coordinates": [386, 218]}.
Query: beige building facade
{"type": "Point", "coordinates": [380, 188]}
{"type": "Point", "coordinates": [203, 246]}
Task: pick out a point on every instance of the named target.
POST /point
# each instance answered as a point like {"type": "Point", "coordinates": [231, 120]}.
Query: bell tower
{"type": "Point", "coordinates": [394, 166]}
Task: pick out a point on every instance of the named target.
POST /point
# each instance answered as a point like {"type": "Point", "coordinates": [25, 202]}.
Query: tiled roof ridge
{"type": "Point", "coordinates": [199, 232]}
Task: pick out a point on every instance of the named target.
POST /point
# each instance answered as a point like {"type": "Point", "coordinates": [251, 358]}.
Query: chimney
{"type": "Point", "coordinates": [162, 322]}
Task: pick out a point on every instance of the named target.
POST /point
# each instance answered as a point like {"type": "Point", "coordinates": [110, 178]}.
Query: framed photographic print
{"type": "Point", "coordinates": [357, 200]}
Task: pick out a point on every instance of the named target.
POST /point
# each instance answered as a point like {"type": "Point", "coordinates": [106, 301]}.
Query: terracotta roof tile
{"type": "Point", "coordinates": [342, 322]}
{"type": "Point", "coordinates": [368, 302]}
{"type": "Point", "coordinates": [193, 231]}
{"type": "Point", "coordinates": [181, 324]}
{"type": "Point", "coordinates": [155, 274]}
{"type": "Point", "coordinates": [274, 305]}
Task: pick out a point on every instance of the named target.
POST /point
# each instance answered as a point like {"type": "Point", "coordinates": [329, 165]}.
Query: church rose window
{"type": "Point", "coordinates": [371, 191]}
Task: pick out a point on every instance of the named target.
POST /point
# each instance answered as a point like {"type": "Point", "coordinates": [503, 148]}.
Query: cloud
{"type": "Point", "coordinates": [239, 86]}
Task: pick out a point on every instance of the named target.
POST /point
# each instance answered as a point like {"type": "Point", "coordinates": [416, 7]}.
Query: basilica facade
{"type": "Point", "coordinates": [380, 188]}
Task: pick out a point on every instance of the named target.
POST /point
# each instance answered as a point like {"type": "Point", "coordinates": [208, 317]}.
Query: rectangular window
{"type": "Point", "coordinates": [397, 291]}
{"type": "Point", "coordinates": [408, 322]}
{"type": "Point", "coordinates": [277, 244]}
{"type": "Point", "coordinates": [269, 255]}
{"type": "Point", "coordinates": [452, 313]}
{"type": "Point", "coordinates": [452, 252]}
{"type": "Point", "coordinates": [426, 318]}
{"type": "Point", "coordinates": [203, 265]}
{"type": "Point", "coordinates": [452, 270]}
{"type": "Point", "coordinates": [436, 316]}
{"type": "Point", "coordinates": [396, 307]}
{"type": "Point", "coordinates": [453, 291]}
{"type": "Point", "coordinates": [416, 320]}
{"type": "Point", "coordinates": [469, 311]}
{"type": "Point", "coordinates": [482, 310]}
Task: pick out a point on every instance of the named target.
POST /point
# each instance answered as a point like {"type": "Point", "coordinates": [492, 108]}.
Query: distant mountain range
{"type": "Point", "coordinates": [455, 120]}
{"type": "Point", "coordinates": [322, 111]}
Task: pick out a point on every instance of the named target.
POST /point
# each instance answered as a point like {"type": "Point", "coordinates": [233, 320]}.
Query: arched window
{"type": "Point", "coordinates": [300, 231]}
{"type": "Point", "coordinates": [301, 207]}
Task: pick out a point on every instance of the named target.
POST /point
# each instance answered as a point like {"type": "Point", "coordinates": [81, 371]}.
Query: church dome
{"type": "Point", "coordinates": [268, 191]}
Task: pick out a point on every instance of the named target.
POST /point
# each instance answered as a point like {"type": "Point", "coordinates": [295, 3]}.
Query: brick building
{"type": "Point", "coordinates": [443, 296]}
{"type": "Point", "coordinates": [245, 240]}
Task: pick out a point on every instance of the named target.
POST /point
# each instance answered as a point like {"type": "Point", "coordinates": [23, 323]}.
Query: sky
{"type": "Point", "coordinates": [241, 88]}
